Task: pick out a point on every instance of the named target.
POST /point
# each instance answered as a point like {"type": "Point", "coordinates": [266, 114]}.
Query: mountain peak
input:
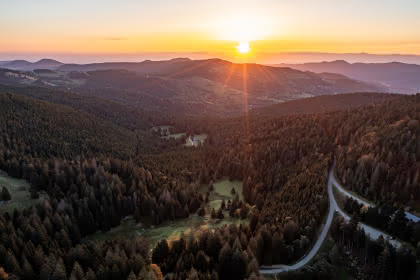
{"type": "Point", "coordinates": [180, 59]}
{"type": "Point", "coordinates": [48, 61]}
{"type": "Point", "coordinates": [340, 61]}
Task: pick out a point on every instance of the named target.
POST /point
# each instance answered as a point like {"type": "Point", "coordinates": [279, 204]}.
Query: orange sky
{"type": "Point", "coordinates": [270, 26]}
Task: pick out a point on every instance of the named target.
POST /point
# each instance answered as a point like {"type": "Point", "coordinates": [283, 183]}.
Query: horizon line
{"type": "Point", "coordinates": [90, 58]}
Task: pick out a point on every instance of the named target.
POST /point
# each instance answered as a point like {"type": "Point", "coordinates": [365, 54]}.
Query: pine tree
{"type": "Point", "coordinates": [59, 271]}
{"type": "Point", "coordinates": [77, 272]}
{"type": "Point", "coordinates": [90, 275]}
{"type": "Point", "coordinates": [12, 264]}
{"type": "Point", "coordinates": [132, 276]}
{"type": "Point", "coordinates": [27, 271]}
{"type": "Point", "coordinates": [239, 266]}
{"type": "Point", "coordinates": [225, 263]}
{"type": "Point", "coordinates": [5, 195]}
{"type": "Point", "coordinates": [383, 267]}
{"type": "Point", "coordinates": [160, 252]}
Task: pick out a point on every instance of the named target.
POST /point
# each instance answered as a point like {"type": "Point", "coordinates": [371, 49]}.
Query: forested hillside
{"type": "Point", "coordinates": [43, 129]}
{"type": "Point", "coordinates": [73, 157]}
{"type": "Point", "coordinates": [379, 151]}
{"type": "Point", "coordinates": [123, 115]}
{"type": "Point", "coordinates": [95, 175]}
{"type": "Point", "coordinates": [325, 103]}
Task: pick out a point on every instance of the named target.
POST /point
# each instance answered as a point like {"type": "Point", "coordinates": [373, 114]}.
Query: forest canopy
{"type": "Point", "coordinates": [97, 169]}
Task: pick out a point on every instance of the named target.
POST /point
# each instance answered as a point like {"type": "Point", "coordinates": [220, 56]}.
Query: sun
{"type": "Point", "coordinates": [243, 47]}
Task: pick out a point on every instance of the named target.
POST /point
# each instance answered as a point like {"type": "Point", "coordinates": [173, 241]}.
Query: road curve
{"type": "Point", "coordinates": [362, 201]}
{"type": "Point", "coordinates": [372, 232]}
{"type": "Point", "coordinates": [333, 207]}
{"type": "Point", "coordinates": [345, 192]}
{"type": "Point", "coordinates": [274, 269]}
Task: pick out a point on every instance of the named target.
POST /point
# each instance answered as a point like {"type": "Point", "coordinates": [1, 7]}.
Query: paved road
{"type": "Point", "coordinates": [370, 231]}
{"type": "Point", "coordinates": [333, 207]}
{"type": "Point", "coordinates": [274, 269]}
{"type": "Point", "coordinates": [341, 189]}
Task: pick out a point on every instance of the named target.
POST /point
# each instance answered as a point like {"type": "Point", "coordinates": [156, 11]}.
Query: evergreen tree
{"type": "Point", "coordinates": [77, 272]}
{"type": "Point", "coordinates": [5, 195]}
{"type": "Point", "coordinates": [160, 252]}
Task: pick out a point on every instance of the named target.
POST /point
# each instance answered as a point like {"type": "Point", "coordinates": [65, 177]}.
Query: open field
{"type": "Point", "coordinates": [224, 188]}
{"type": "Point", "coordinates": [172, 230]}
{"type": "Point", "coordinates": [19, 190]}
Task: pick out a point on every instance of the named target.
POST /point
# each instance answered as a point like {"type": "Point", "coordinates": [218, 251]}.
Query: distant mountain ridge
{"type": "Point", "coordinates": [147, 66]}
{"type": "Point", "coordinates": [400, 77]}
{"type": "Point", "coordinates": [209, 87]}
{"type": "Point", "coordinates": [24, 65]}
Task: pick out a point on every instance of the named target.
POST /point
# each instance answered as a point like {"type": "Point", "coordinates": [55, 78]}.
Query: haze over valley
{"type": "Point", "coordinates": [211, 86]}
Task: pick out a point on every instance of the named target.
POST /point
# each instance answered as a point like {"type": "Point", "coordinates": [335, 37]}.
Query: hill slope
{"type": "Point", "coordinates": [57, 130]}
{"type": "Point", "coordinates": [399, 76]}
{"type": "Point", "coordinates": [195, 87]}
{"type": "Point", "coordinates": [24, 65]}
{"type": "Point", "coordinates": [325, 103]}
{"type": "Point", "coordinates": [121, 114]}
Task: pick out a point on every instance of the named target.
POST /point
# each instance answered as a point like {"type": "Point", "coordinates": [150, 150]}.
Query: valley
{"type": "Point", "coordinates": [194, 87]}
{"type": "Point", "coordinates": [239, 195]}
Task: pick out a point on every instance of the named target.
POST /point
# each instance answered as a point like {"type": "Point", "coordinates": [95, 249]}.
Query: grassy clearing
{"type": "Point", "coordinates": [215, 204]}
{"type": "Point", "coordinates": [128, 228]}
{"type": "Point", "coordinates": [172, 230]}
{"type": "Point", "coordinates": [20, 191]}
{"type": "Point", "coordinates": [222, 191]}
{"type": "Point", "coordinates": [224, 187]}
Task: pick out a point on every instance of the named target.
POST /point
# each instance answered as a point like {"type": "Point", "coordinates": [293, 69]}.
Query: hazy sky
{"type": "Point", "coordinates": [271, 26]}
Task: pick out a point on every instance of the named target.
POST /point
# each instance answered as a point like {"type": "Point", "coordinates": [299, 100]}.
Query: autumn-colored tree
{"type": "Point", "coordinates": [156, 271]}
{"type": "Point", "coordinates": [3, 274]}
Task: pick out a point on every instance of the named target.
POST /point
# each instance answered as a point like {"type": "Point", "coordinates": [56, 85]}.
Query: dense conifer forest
{"type": "Point", "coordinates": [97, 168]}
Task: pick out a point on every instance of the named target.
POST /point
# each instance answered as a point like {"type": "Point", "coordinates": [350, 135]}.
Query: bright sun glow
{"type": "Point", "coordinates": [243, 47]}
{"type": "Point", "coordinates": [243, 28]}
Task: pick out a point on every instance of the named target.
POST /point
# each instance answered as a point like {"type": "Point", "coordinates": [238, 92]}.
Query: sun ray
{"type": "Point", "coordinates": [268, 73]}
{"type": "Point", "coordinates": [245, 90]}
{"type": "Point", "coordinates": [229, 75]}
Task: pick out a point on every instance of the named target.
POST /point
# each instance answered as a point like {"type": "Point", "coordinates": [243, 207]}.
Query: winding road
{"type": "Point", "coordinates": [342, 190]}
{"type": "Point", "coordinates": [333, 207]}
{"type": "Point", "coordinates": [274, 269]}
